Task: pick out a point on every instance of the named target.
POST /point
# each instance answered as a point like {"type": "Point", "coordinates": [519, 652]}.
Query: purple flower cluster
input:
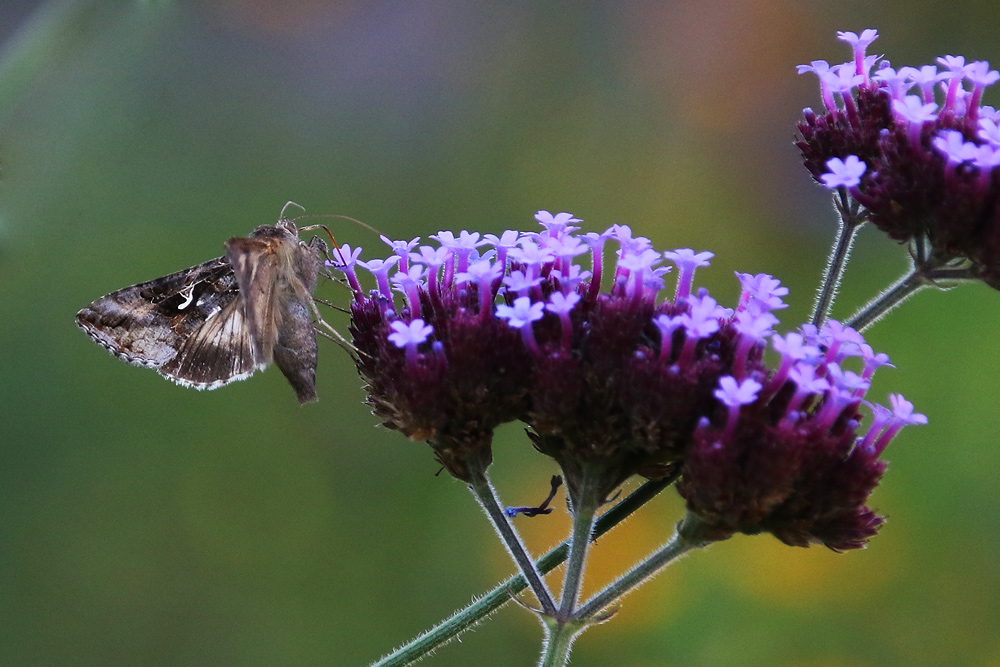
{"type": "Point", "coordinates": [482, 330]}
{"type": "Point", "coordinates": [915, 146]}
{"type": "Point", "coordinates": [786, 459]}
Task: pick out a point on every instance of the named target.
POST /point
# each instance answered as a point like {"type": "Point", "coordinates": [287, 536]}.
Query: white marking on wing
{"type": "Point", "coordinates": [188, 297]}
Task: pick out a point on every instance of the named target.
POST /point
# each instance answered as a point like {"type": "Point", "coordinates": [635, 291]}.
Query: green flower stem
{"type": "Point", "coordinates": [850, 220]}
{"type": "Point", "coordinates": [559, 638]}
{"type": "Point", "coordinates": [952, 275]}
{"type": "Point", "coordinates": [487, 498]}
{"type": "Point", "coordinates": [585, 506]}
{"type": "Point", "coordinates": [677, 546]}
{"type": "Point", "coordinates": [925, 272]}
{"type": "Point", "coordinates": [904, 288]}
{"type": "Point", "coordinates": [470, 616]}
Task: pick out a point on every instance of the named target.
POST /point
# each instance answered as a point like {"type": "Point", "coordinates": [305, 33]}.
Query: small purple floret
{"type": "Point", "coordinates": [844, 173]}
{"type": "Point", "coordinates": [380, 269]}
{"type": "Point", "coordinates": [860, 45]}
{"type": "Point", "coordinates": [409, 335]}
{"type": "Point", "coordinates": [350, 259]}
{"type": "Point", "coordinates": [521, 316]}
{"type": "Point", "coordinates": [735, 394]}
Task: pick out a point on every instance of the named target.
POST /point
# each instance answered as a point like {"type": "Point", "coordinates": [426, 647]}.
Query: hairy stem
{"type": "Point", "coordinates": [904, 288]}
{"type": "Point", "coordinates": [850, 220]}
{"type": "Point", "coordinates": [585, 504]}
{"type": "Point", "coordinates": [559, 638]}
{"type": "Point", "coordinates": [486, 495]}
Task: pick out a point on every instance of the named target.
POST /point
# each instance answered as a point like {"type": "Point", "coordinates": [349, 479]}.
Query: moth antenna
{"type": "Point", "coordinates": [330, 216]}
{"type": "Point", "coordinates": [336, 216]}
{"type": "Point", "coordinates": [281, 216]}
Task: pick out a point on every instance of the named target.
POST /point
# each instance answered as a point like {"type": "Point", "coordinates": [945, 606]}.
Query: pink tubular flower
{"type": "Point", "coordinates": [687, 261]}
{"type": "Point", "coordinates": [860, 44]}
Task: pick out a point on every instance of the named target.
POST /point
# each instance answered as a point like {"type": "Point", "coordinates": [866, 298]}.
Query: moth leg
{"type": "Point", "coordinates": [331, 304]}
{"type": "Point", "coordinates": [318, 245]}
{"type": "Point", "coordinates": [336, 336]}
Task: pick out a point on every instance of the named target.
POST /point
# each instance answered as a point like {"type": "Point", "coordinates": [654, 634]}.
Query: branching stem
{"type": "Point", "coordinates": [483, 490]}
{"type": "Point", "coordinates": [851, 218]}
{"type": "Point", "coordinates": [470, 616]}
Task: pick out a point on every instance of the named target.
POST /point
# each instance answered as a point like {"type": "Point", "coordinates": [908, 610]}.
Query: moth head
{"type": "Point", "coordinates": [283, 230]}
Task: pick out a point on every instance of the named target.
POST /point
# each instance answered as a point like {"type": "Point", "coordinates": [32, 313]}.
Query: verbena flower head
{"type": "Point", "coordinates": [785, 457]}
{"type": "Point", "coordinates": [621, 380]}
{"type": "Point", "coordinates": [915, 146]}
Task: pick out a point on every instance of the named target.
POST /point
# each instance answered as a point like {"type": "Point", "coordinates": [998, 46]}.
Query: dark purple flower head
{"type": "Point", "coordinates": [915, 147]}
{"type": "Point", "coordinates": [616, 380]}
{"type": "Point", "coordinates": [787, 458]}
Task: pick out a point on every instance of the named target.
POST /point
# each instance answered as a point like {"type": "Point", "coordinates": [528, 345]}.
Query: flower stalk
{"type": "Point", "coordinates": [584, 510]}
{"type": "Point", "coordinates": [851, 220]}
{"type": "Point", "coordinates": [924, 272]}
{"type": "Point", "coordinates": [472, 615]}
{"type": "Point", "coordinates": [903, 289]}
{"type": "Point", "coordinates": [485, 494]}
{"type": "Point", "coordinates": [559, 638]}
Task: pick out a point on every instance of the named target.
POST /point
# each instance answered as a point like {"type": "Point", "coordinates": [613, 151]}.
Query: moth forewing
{"type": "Point", "coordinates": [176, 325]}
{"type": "Point", "coordinates": [256, 267]}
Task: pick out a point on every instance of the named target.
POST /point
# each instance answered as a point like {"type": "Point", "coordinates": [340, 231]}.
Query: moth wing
{"type": "Point", "coordinates": [217, 322]}
{"type": "Point", "coordinates": [255, 266]}
{"type": "Point", "coordinates": [147, 323]}
{"type": "Point", "coordinates": [217, 353]}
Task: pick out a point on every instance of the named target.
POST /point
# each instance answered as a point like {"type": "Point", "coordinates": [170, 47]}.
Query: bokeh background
{"type": "Point", "coordinates": [145, 524]}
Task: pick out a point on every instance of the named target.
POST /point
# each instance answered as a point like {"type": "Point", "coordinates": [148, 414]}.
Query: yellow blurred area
{"type": "Point", "coordinates": [763, 568]}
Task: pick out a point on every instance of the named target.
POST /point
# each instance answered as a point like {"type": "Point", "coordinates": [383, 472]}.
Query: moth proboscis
{"type": "Point", "coordinates": [222, 320]}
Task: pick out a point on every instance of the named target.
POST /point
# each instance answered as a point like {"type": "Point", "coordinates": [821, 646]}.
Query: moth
{"type": "Point", "coordinates": [221, 321]}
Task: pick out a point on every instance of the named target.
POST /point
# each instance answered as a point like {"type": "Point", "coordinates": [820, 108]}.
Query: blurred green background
{"type": "Point", "coordinates": [146, 524]}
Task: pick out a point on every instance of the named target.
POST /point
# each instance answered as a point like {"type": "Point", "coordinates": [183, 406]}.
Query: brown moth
{"type": "Point", "coordinates": [220, 321]}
